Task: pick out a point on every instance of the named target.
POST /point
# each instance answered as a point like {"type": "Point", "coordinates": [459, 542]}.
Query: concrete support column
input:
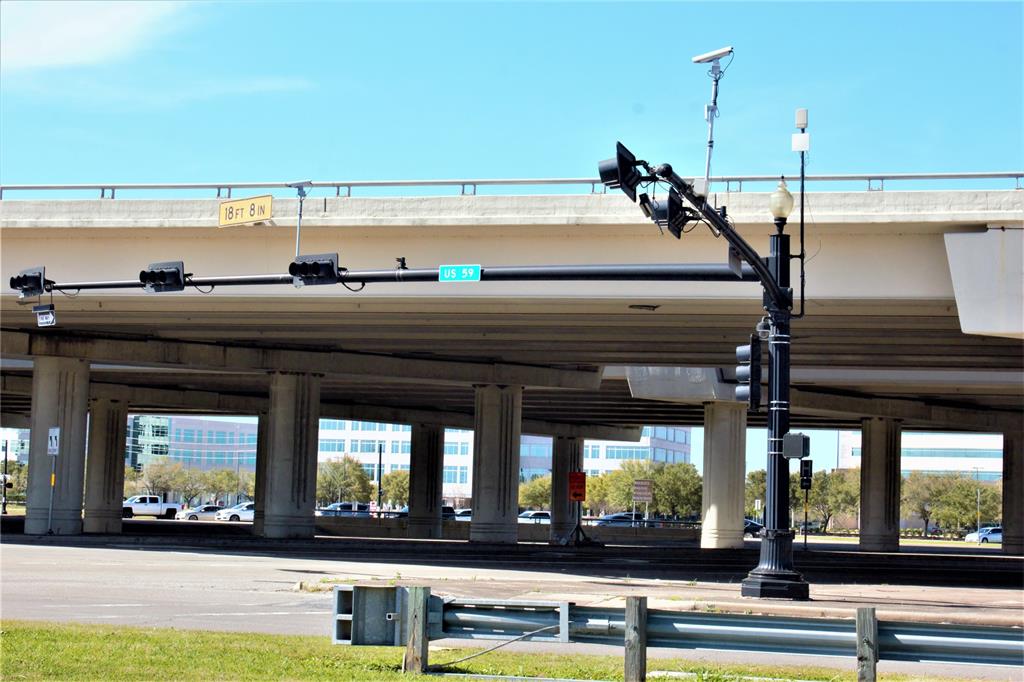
{"type": "Point", "coordinates": [725, 455]}
{"type": "Point", "coordinates": [104, 471]}
{"type": "Point", "coordinates": [261, 473]}
{"type": "Point", "coordinates": [496, 431]}
{"type": "Point", "coordinates": [60, 398]}
{"type": "Point", "coordinates": [426, 479]}
{"type": "Point", "coordinates": [1013, 492]}
{"type": "Point", "coordinates": [567, 456]}
{"type": "Point", "coordinates": [292, 434]}
{"type": "Point", "coordinates": [880, 485]}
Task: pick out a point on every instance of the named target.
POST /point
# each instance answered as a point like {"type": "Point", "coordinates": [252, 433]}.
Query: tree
{"type": "Point", "coordinates": [757, 484]}
{"type": "Point", "coordinates": [191, 484]}
{"type": "Point", "coordinates": [343, 480]}
{"type": "Point", "coordinates": [678, 490]}
{"type": "Point", "coordinates": [957, 502]}
{"type": "Point", "coordinates": [918, 496]}
{"type": "Point", "coordinates": [597, 495]}
{"type": "Point", "coordinates": [831, 493]}
{"type": "Point", "coordinates": [396, 488]}
{"type": "Point", "coordinates": [132, 481]}
{"type": "Point", "coordinates": [247, 484]}
{"type": "Point", "coordinates": [219, 483]}
{"type": "Point", "coordinates": [620, 484]}
{"type": "Point", "coordinates": [844, 491]}
{"type": "Point", "coordinates": [161, 478]}
{"type": "Point", "coordinates": [17, 476]}
{"type": "Point", "coordinates": [536, 494]}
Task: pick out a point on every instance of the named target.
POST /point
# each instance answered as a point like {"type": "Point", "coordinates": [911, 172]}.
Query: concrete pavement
{"type": "Point", "coordinates": [205, 588]}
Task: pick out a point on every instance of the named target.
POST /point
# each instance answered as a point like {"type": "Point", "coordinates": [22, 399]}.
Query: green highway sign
{"type": "Point", "coordinates": [458, 273]}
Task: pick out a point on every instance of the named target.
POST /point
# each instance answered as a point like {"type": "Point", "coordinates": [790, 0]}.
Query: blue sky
{"type": "Point", "coordinates": [231, 91]}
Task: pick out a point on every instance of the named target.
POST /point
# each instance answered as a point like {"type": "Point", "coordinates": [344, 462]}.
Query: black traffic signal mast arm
{"type": "Point", "coordinates": [654, 272]}
{"type": "Point", "coordinates": [782, 298]}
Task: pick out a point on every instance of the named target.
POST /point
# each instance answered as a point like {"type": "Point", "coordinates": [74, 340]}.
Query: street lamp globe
{"type": "Point", "coordinates": [781, 201]}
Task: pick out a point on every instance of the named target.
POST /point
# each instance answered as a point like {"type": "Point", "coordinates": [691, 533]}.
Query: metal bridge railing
{"type": "Point", "coordinates": [874, 182]}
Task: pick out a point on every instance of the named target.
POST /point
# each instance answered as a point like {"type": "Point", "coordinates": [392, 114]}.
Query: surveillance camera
{"type": "Point", "coordinates": [712, 56]}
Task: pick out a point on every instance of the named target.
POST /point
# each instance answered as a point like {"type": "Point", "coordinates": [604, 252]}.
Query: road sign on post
{"type": "Point", "coordinates": [53, 441]}
{"type": "Point", "coordinates": [643, 490]}
{"type": "Point", "coordinates": [577, 486]}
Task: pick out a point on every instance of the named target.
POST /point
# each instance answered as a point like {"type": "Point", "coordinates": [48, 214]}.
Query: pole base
{"type": "Point", "coordinates": [775, 586]}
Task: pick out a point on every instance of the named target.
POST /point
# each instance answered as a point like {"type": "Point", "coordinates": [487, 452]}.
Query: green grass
{"type": "Point", "coordinates": [61, 651]}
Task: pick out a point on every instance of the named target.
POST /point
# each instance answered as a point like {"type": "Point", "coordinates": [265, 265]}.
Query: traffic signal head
{"type": "Point", "coordinates": [621, 171]}
{"type": "Point", "coordinates": [29, 283]}
{"type": "Point", "coordinates": [748, 373]}
{"type": "Point", "coordinates": [160, 277]}
{"type": "Point", "coordinates": [321, 268]}
{"type": "Point", "coordinates": [671, 213]}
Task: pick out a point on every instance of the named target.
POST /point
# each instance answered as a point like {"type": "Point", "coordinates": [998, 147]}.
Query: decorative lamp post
{"type": "Point", "coordinates": [774, 576]}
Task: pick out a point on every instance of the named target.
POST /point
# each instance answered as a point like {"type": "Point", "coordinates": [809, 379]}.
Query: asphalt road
{"type": "Point", "coordinates": [196, 587]}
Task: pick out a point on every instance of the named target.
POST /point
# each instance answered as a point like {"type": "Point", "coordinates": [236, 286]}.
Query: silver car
{"type": "Point", "coordinates": [203, 511]}
{"type": "Point", "coordinates": [240, 512]}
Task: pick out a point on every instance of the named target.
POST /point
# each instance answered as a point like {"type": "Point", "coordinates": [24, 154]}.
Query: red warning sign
{"type": "Point", "coordinates": [577, 486]}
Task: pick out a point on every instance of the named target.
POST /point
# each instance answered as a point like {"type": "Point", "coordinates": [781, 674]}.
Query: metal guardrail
{"type": "Point", "coordinates": [875, 182]}
{"type": "Point", "coordinates": [482, 619]}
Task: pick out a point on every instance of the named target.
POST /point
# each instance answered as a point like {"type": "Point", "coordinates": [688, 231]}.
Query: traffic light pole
{"type": "Point", "coordinates": [775, 576]}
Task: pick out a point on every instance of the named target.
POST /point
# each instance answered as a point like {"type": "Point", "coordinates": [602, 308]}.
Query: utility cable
{"type": "Point", "coordinates": [493, 648]}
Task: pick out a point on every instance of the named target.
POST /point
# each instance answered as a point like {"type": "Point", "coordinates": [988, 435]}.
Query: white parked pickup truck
{"type": "Point", "coordinates": [148, 505]}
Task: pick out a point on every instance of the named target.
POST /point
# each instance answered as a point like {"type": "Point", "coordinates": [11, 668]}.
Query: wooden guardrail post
{"type": "Point", "coordinates": [636, 639]}
{"type": "Point", "coordinates": [418, 639]}
{"type": "Point", "coordinates": [867, 644]}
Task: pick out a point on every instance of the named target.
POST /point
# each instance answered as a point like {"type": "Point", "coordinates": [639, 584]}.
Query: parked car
{"type": "Point", "coordinates": [463, 515]}
{"type": "Point", "coordinates": [621, 519]}
{"type": "Point", "coordinates": [202, 511]}
{"type": "Point", "coordinates": [986, 534]}
{"type": "Point", "coordinates": [240, 512]}
{"type": "Point", "coordinates": [535, 517]}
{"type": "Point", "coordinates": [352, 509]}
{"type": "Point", "coordinates": [148, 505]}
{"type": "Point", "coordinates": [446, 513]}
{"type": "Point", "coordinates": [751, 527]}
{"type": "Point", "coordinates": [812, 526]}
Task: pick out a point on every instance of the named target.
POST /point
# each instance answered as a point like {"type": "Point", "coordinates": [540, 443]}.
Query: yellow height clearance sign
{"type": "Point", "coordinates": [245, 211]}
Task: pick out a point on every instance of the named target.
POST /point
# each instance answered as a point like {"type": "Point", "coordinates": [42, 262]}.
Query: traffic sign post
{"type": "Point", "coordinates": [643, 491]}
{"type": "Point", "coordinates": [578, 495]}
{"type": "Point", "coordinates": [578, 486]}
{"type": "Point", "coordinates": [52, 449]}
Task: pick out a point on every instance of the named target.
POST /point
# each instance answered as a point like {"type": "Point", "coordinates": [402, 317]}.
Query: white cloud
{"type": "Point", "coordinates": [43, 34]}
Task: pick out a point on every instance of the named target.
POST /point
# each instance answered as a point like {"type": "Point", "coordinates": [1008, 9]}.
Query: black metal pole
{"type": "Point", "coordinates": [6, 452]}
{"type": "Point", "coordinates": [774, 576]}
{"type": "Point", "coordinates": [380, 479]}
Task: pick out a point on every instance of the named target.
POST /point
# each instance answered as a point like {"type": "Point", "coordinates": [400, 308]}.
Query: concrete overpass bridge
{"type": "Point", "coordinates": [913, 321]}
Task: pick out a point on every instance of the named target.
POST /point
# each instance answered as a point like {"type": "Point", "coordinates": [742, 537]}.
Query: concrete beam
{"type": "Point", "coordinates": [462, 420]}
{"type": "Point", "coordinates": [165, 353]}
{"type": "Point", "coordinates": [911, 412]}
{"type": "Point", "coordinates": [185, 399]}
{"type": "Point", "coordinates": [236, 404]}
{"type": "Point", "coordinates": [9, 420]}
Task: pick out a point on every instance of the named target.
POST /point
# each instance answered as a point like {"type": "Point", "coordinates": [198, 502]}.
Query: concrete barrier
{"type": "Point", "coordinates": [528, 532]}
